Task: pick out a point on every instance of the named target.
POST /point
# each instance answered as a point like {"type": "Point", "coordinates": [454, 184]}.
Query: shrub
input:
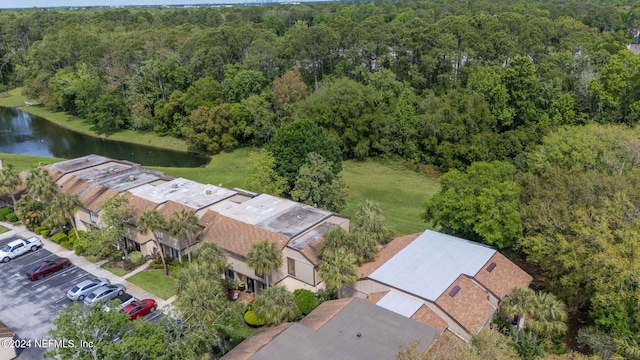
{"type": "Point", "coordinates": [12, 218]}
{"type": "Point", "coordinates": [252, 319]}
{"type": "Point", "coordinates": [4, 212]}
{"type": "Point", "coordinates": [134, 259]}
{"type": "Point", "coordinates": [40, 229]}
{"type": "Point", "coordinates": [59, 238]}
{"type": "Point", "coordinates": [45, 233]}
{"type": "Point", "coordinates": [306, 300]}
{"type": "Point", "coordinates": [325, 295]}
{"type": "Point", "coordinates": [67, 244]}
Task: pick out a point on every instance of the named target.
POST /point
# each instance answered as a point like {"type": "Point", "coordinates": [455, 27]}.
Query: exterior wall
{"type": "Point", "coordinates": [244, 271]}
{"type": "Point", "coordinates": [293, 284]}
{"type": "Point", "coordinates": [304, 270]}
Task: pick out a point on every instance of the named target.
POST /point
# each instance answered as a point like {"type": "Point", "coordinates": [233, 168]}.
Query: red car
{"type": "Point", "coordinates": [40, 270]}
{"type": "Point", "coordinates": [139, 308]}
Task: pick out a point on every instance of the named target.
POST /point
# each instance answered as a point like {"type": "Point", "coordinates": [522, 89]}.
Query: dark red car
{"type": "Point", "coordinates": [40, 270]}
{"type": "Point", "coordinates": [139, 308]}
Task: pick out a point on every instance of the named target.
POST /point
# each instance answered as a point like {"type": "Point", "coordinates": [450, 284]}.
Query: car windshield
{"type": "Point", "coordinates": [75, 288]}
{"type": "Point", "coordinates": [35, 267]}
{"type": "Point", "coordinates": [92, 296]}
{"type": "Point", "coordinates": [6, 248]}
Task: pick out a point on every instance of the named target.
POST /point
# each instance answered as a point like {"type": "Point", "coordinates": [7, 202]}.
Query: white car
{"type": "Point", "coordinates": [19, 247]}
{"type": "Point", "coordinates": [81, 290]}
{"type": "Point", "coordinates": [104, 294]}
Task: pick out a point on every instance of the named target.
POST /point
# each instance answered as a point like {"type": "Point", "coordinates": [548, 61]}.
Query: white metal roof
{"type": "Point", "coordinates": [431, 263]}
{"type": "Point", "coordinates": [400, 304]}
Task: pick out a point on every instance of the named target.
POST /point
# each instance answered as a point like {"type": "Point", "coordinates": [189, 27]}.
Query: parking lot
{"type": "Point", "coordinates": [30, 307]}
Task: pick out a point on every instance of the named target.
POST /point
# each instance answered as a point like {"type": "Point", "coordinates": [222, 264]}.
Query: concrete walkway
{"type": "Point", "coordinates": [93, 268]}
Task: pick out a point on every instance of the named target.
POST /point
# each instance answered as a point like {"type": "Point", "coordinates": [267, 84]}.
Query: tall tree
{"type": "Point", "coordinates": [480, 204]}
{"type": "Point", "coordinates": [61, 211]}
{"type": "Point", "coordinates": [152, 221]}
{"type": "Point", "coordinates": [275, 305]}
{"type": "Point", "coordinates": [317, 185]}
{"type": "Point", "coordinates": [9, 181]}
{"type": "Point", "coordinates": [184, 225]}
{"type": "Point", "coordinates": [115, 214]}
{"type": "Point", "coordinates": [262, 175]}
{"type": "Point", "coordinates": [264, 257]}
{"type": "Point", "coordinates": [40, 185]}
{"type": "Point", "coordinates": [370, 221]}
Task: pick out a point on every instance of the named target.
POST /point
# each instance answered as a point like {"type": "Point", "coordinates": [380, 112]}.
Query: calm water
{"type": "Point", "coordinates": [23, 133]}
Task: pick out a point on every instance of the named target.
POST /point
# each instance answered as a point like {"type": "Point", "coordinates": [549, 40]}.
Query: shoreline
{"type": "Point", "coordinates": [14, 98]}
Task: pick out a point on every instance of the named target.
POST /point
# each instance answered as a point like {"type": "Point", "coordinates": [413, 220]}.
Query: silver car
{"type": "Point", "coordinates": [104, 294]}
{"type": "Point", "coordinates": [86, 287]}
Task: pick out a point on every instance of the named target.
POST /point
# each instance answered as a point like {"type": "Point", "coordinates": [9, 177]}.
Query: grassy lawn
{"type": "Point", "coordinates": [26, 162]}
{"type": "Point", "coordinates": [3, 229]}
{"type": "Point", "coordinates": [399, 192]}
{"type": "Point", "coordinates": [115, 271]}
{"type": "Point", "coordinates": [15, 98]}
{"type": "Point", "coordinates": [155, 282]}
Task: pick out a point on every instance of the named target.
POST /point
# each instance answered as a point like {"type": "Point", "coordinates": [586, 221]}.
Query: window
{"type": "Point", "coordinates": [175, 253]}
{"type": "Point", "coordinates": [491, 267]}
{"type": "Point", "coordinates": [159, 235]}
{"type": "Point", "coordinates": [93, 216]}
{"type": "Point", "coordinates": [231, 274]}
{"type": "Point", "coordinates": [291, 266]}
{"type": "Point", "coordinates": [454, 291]}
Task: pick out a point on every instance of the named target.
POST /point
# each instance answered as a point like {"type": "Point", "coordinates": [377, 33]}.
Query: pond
{"type": "Point", "coordinates": [27, 134]}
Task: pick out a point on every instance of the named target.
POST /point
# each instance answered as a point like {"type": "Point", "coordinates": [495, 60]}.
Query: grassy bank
{"type": "Point", "coordinates": [400, 192]}
{"type": "Point", "coordinates": [25, 162]}
{"type": "Point", "coordinates": [15, 98]}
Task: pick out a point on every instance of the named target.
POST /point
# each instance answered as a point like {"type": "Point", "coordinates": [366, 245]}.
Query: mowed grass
{"type": "Point", "coordinates": [15, 98]}
{"type": "Point", "coordinates": [155, 282]}
{"type": "Point", "coordinates": [3, 229]}
{"type": "Point", "coordinates": [26, 162]}
{"type": "Point", "coordinates": [399, 192]}
{"type": "Point", "coordinates": [114, 270]}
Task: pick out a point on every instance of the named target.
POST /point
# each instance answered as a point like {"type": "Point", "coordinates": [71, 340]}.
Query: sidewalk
{"type": "Point", "coordinates": [93, 268]}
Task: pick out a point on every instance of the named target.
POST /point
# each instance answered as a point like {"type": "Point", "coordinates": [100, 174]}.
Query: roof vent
{"type": "Point", "coordinates": [207, 192]}
{"type": "Point", "coordinates": [86, 159]}
{"type": "Point", "coordinates": [491, 267]}
{"type": "Point", "coordinates": [454, 291]}
{"type": "Point", "coordinates": [131, 177]}
{"type": "Point", "coordinates": [111, 170]}
{"type": "Point", "coordinates": [174, 186]}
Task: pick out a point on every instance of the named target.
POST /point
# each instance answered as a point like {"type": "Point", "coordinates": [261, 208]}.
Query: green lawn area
{"type": "Point", "coordinates": [115, 271]}
{"type": "Point", "coordinates": [155, 282]}
{"type": "Point", "coordinates": [26, 162]}
{"type": "Point", "coordinates": [399, 192]}
{"type": "Point", "coordinates": [15, 98]}
{"type": "Point", "coordinates": [3, 229]}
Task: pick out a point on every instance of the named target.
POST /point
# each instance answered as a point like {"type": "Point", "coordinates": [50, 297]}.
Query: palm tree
{"type": "Point", "coordinates": [264, 257]}
{"type": "Point", "coordinates": [61, 210]}
{"type": "Point", "coordinates": [370, 221]}
{"type": "Point", "coordinates": [40, 185]}
{"type": "Point", "coordinates": [9, 182]}
{"type": "Point", "coordinates": [152, 221]}
{"type": "Point", "coordinates": [184, 224]}
{"type": "Point", "coordinates": [275, 305]}
{"type": "Point", "coordinates": [518, 305]}
{"type": "Point", "coordinates": [338, 268]}
{"type": "Point", "coordinates": [212, 257]}
{"type": "Point", "coordinates": [546, 315]}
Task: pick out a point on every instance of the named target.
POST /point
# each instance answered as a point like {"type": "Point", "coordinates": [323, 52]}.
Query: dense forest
{"type": "Point", "coordinates": [530, 108]}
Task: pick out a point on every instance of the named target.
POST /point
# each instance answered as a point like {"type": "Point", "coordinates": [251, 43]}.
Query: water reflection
{"type": "Point", "coordinates": [23, 133]}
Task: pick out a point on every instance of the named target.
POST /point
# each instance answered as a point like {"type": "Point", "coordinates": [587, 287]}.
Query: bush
{"type": "Point", "coordinates": [252, 319]}
{"type": "Point", "coordinates": [13, 218]}
{"type": "Point", "coordinates": [306, 300]}
{"type": "Point", "coordinates": [4, 212]}
{"type": "Point", "coordinates": [325, 295]}
{"type": "Point", "coordinates": [59, 238]}
{"type": "Point", "coordinates": [134, 259]}
{"type": "Point", "coordinates": [45, 233]}
{"type": "Point", "coordinates": [67, 244]}
{"type": "Point", "coordinates": [40, 229]}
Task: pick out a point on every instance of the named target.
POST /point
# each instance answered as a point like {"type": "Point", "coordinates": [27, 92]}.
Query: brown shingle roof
{"type": "Point", "coordinates": [94, 197]}
{"type": "Point", "coordinates": [168, 208]}
{"type": "Point", "coordinates": [469, 307]}
{"type": "Point", "coordinates": [236, 236]}
{"type": "Point", "coordinates": [253, 344]}
{"type": "Point", "coordinates": [504, 276]}
{"type": "Point", "coordinates": [426, 316]}
{"type": "Point", "coordinates": [74, 185]}
{"type": "Point", "coordinates": [385, 254]}
{"type": "Point", "coordinates": [375, 297]}
{"type": "Point", "coordinates": [323, 313]}
{"type": "Point", "coordinates": [138, 205]}
{"type": "Point", "coordinates": [311, 251]}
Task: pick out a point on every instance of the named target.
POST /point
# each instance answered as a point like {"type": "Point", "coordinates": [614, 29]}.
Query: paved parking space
{"type": "Point", "coordinates": [30, 307]}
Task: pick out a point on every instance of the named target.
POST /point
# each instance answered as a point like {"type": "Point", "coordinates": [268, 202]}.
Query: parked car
{"type": "Point", "coordinates": [139, 308]}
{"type": "Point", "coordinates": [119, 302]}
{"type": "Point", "coordinates": [40, 270]}
{"type": "Point", "coordinates": [19, 247]}
{"type": "Point", "coordinates": [85, 288]}
{"type": "Point", "coordinates": [104, 294]}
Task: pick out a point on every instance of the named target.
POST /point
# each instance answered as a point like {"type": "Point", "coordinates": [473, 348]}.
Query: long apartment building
{"type": "Point", "coordinates": [234, 219]}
